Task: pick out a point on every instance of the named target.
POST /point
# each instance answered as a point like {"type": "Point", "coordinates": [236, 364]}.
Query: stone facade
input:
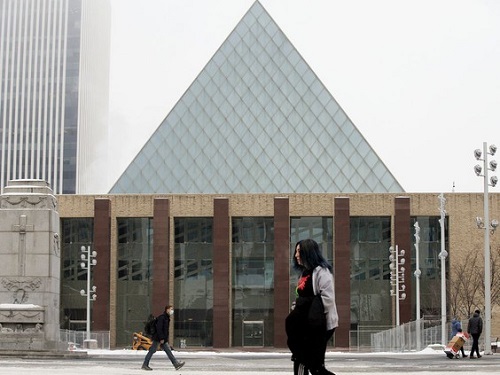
{"type": "Point", "coordinates": [29, 266]}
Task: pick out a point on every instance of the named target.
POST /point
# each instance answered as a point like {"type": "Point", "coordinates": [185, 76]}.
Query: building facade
{"type": "Point", "coordinates": [224, 261]}
{"type": "Point", "coordinates": [54, 67]}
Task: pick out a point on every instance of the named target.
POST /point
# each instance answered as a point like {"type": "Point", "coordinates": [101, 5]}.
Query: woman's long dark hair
{"type": "Point", "coordinates": [310, 256]}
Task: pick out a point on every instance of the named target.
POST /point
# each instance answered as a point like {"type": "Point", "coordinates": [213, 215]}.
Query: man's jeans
{"type": "Point", "coordinates": [165, 347]}
{"type": "Point", "coordinates": [475, 344]}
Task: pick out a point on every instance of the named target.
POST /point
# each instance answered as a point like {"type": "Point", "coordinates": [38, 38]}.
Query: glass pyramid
{"type": "Point", "coordinates": [256, 120]}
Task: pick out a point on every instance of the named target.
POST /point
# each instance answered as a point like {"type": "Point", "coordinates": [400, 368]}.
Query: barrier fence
{"type": "Point", "coordinates": [74, 339]}
{"type": "Point", "coordinates": [404, 337]}
{"type": "Point", "coordinates": [367, 338]}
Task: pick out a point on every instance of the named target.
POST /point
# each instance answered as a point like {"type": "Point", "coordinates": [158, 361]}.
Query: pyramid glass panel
{"type": "Point", "coordinates": [256, 119]}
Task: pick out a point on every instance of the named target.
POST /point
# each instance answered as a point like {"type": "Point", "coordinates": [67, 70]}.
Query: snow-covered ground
{"type": "Point", "coordinates": [123, 362]}
{"type": "Point", "coordinates": [432, 349]}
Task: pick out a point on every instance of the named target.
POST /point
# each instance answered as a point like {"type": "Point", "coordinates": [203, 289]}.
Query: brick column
{"type": "Point", "coordinates": [402, 238]}
{"type": "Point", "coordinates": [161, 253]}
{"type": "Point", "coordinates": [281, 269]}
{"type": "Point", "coordinates": [222, 284]}
{"type": "Point", "coordinates": [101, 271]}
{"type": "Point", "coordinates": [342, 268]}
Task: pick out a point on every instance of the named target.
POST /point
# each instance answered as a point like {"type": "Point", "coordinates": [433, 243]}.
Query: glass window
{"type": "Point", "coordinates": [253, 281]}
{"type": "Point", "coordinates": [370, 289]}
{"type": "Point", "coordinates": [429, 263]}
{"type": "Point", "coordinates": [134, 276]}
{"type": "Point", "coordinates": [76, 233]}
{"type": "Point", "coordinates": [319, 229]}
{"type": "Point", "coordinates": [193, 282]}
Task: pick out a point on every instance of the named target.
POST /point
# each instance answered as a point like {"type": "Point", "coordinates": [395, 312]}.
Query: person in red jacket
{"type": "Point", "coordinates": [160, 337]}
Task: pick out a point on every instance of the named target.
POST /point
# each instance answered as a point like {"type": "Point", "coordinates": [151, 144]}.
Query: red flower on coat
{"type": "Point", "coordinates": [302, 282]}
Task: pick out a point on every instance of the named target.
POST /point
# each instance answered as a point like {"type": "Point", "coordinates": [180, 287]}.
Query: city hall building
{"type": "Point", "coordinates": [224, 261]}
{"type": "Point", "coordinates": [255, 156]}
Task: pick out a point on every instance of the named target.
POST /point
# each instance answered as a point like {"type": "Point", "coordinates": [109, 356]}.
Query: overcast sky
{"type": "Point", "coordinates": [419, 79]}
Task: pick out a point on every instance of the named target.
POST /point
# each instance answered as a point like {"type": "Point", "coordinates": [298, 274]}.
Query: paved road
{"type": "Point", "coordinates": [254, 363]}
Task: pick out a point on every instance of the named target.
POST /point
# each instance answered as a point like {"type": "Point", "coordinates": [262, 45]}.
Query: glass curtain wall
{"type": "Point", "coordinates": [253, 281]}
{"type": "Point", "coordinates": [193, 287]}
{"type": "Point", "coordinates": [371, 306]}
{"type": "Point", "coordinates": [75, 234]}
{"type": "Point", "coordinates": [319, 229]}
{"type": "Point", "coordinates": [134, 286]}
{"type": "Point", "coordinates": [430, 265]}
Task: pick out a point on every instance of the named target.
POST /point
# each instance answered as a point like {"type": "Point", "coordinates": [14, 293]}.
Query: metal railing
{"type": "Point", "coordinates": [74, 339]}
{"type": "Point", "coordinates": [404, 337]}
{"type": "Point", "coordinates": [361, 339]}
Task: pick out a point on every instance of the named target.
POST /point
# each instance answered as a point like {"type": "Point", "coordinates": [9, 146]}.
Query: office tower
{"type": "Point", "coordinates": [54, 68]}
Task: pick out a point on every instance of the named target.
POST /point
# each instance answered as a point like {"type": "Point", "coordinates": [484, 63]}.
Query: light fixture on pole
{"type": "Point", "coordinates": [417, 274]}
{"type": "Point", "coordinates": [88, 260]}
{"type": "Point", "coordinates": [484, 223]}
{"type": "Point", "coordinates": [442, 255]}
{"type": "Point", "coordinates": [397, 276]}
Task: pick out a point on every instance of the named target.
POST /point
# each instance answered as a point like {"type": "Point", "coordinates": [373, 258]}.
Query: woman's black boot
{"type": "Point", "coordinates": [321, 371]}
{"type": "Point", "coordinates": [299, 369]}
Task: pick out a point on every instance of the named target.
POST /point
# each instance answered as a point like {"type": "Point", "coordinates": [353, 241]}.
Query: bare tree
{"type": "Point", "coordinates": [494, 278]}
{"type": "Point", "coordinates": [466, 290]}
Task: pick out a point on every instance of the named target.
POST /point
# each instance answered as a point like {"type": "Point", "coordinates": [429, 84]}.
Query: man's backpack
{"type": "Point", "coordinates": [150, 326]}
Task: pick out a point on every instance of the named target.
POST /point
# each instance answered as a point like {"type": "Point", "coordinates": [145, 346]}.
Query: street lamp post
{"type": "Point", "coordinates": [417, 274]}
{"type": "Point", "coordinates": [88, 260]}
{"type": "Point", "coordinates": [484, 223]}
{"type": "Point", "coordinates": [442, 255]}
{"type": "Point", "coordinates": [397, 276]}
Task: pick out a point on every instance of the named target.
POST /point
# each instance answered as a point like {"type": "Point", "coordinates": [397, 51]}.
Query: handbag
{"type": "Point", "coordinates": [316, 316]}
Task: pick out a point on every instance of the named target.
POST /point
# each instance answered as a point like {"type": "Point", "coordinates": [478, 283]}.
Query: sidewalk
{"type": "Point", "coordinates": [128, 362]}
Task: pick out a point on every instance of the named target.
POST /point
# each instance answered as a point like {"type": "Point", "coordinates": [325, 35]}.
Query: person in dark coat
{"type": "Point", "coordinates": [160, 337]}
{"type": "Point", "coordinates": [475, 328]}
{"type": "Point", "coordinates": [314, 317]}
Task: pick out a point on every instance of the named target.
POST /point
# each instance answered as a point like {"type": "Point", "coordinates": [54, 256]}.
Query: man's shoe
{"type": "Point", "coordinates": [179, 365]}
{"type": "Point", "coordinates": [479, 356]}
{"type": "Point", "coordinates": [464, 356]}
{"type": "Point", "coordinates": [472, 357]}
{"type": "Point", "coordinates": [146, 367]}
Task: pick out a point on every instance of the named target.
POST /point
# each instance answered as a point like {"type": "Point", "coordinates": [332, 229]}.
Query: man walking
{"type": "Point", "coordinates": [475, 328]}
{"type": "Point", "coordinates": [160, 337]}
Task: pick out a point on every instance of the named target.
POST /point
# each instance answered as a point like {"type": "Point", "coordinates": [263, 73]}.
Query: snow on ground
{"type": "Point", "coordinates": [128, 362]}
{"type": "Point", "coordinates": [431, 349]}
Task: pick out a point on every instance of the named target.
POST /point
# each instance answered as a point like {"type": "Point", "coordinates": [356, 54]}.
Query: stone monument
{"type": "Point", "coordinates": [30, 267]}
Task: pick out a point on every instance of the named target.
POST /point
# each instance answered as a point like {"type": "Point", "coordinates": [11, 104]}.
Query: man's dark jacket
{"type": "Point", "coordinates": [475, 325]}
{"type": "Point", "coordinates": [162, 327]}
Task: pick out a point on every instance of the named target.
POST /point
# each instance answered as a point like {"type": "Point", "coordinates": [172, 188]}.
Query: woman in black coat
{"type": "Point", "coordinates": [314, 318]}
